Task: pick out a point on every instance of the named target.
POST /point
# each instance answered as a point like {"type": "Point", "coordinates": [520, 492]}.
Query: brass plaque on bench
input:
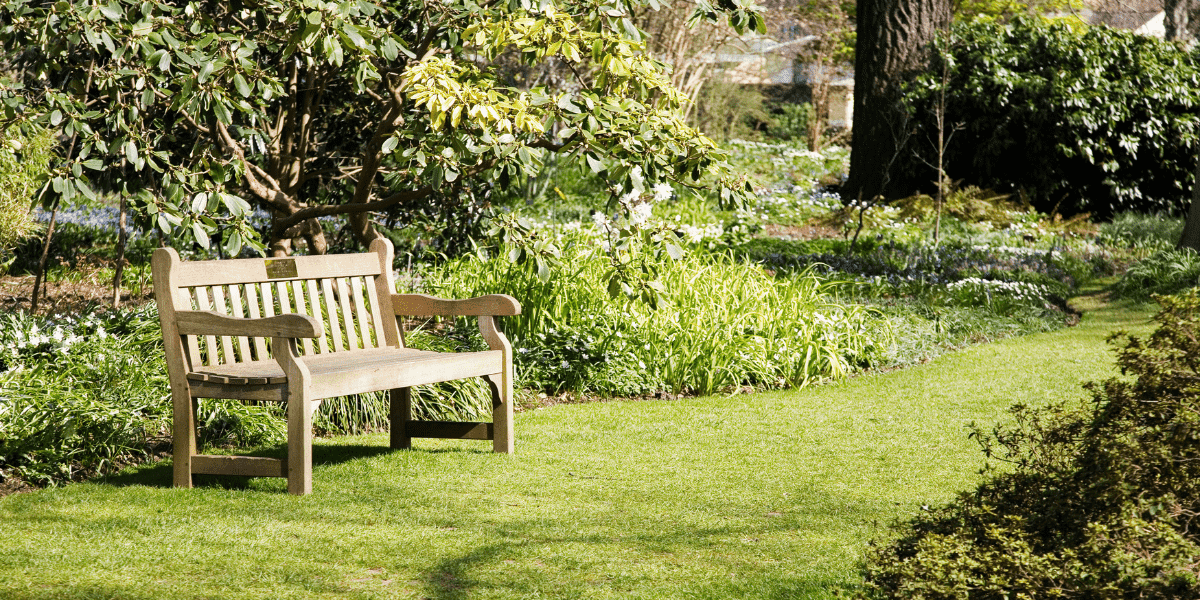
{"type": "Point", "coordinates": [281, 268]}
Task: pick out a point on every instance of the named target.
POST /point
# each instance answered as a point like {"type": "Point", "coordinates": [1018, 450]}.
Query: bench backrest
{"type": "Point", "coordinates": [349, 293]}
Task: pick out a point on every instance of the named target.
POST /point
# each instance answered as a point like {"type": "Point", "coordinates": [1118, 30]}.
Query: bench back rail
{"type": "Point", "coordinates": [351, 306]}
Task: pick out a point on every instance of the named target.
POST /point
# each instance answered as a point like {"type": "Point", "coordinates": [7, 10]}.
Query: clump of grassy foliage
{"type": "Point", "coordinates": [1156, 231]}
{"type": "Point", "coordinates": [1093, 500]}
{"type": "Point", "coordinates": [1147, 243]}
{"type": "Point", "coordinates": [22, 160]}
{"type": "Point", "coordinates": [722, 324]}
{"type": "Point", "coordinates": [1166, 271]}
{"type": "Point", "coordinates": [77, 394]}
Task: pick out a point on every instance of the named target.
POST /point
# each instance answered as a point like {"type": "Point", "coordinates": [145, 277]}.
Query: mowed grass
{"type": "Point", "coordinates": [771, 495]}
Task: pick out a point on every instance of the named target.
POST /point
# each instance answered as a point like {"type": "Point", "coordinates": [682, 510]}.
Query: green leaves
{"type": "Point", "coordinates": [1078, 118]}
{"type": "Point", "coordinates": [185, 99]}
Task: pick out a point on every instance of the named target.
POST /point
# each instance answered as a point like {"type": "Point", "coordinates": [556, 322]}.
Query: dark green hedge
{"type": "Point", "coordinates": [1080, 118]}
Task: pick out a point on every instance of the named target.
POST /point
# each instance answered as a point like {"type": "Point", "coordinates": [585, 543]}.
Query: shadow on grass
{"type": "Point", "coordinates": [456, 579]}
{"type": "Point", "coordinates": [159, 474]}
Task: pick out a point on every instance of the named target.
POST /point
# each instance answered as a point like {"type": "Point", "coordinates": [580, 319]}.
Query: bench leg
{"type": "Point", "coordinates": [299, 452]}
{"type": "Point", "coordinates": [399, 416]}
{"type": "Point", "coordinates": [502, 412]}
{"type": "Point", "coordinates": [183, 436]}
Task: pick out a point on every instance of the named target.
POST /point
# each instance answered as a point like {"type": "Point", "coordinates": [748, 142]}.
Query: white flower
{"type": "Point", "coordinates": [600, 218]}
{"type": "Point", "coordinates": [631, 197]}
{"type": "Point", "coordinates": [662, 192]}
{"type": "Point", "coordinates": [640, 214]}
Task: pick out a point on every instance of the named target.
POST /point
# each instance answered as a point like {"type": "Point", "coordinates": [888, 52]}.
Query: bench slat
{"type": "Point", "coordinates": [314, 302]}
{"type": "Point", "coordinates": [343, 373]}
{"type": "Point", "coordinates": [220, 306]}
{"type": "Point", "coordinates": [343, 292]}
{"type": "Point", "coordinates": [253, 270]}
{"type": "Point", "coordinates": [209, 351]}
{"type": "Point", "coordinates": [377, 314]}
{"type": "Point", "coordinates": [298, 293]}
{"type": "Point", "coordinates": [260, 345]}
{"type": "Point", "coordinates": [361, 317]}
{"type": "Point", "coordinates": [243, 342]}
{"type": "Point", "coordinates": [331, 307]}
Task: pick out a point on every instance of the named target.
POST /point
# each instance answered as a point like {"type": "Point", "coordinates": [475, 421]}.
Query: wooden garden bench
{"type": "Point", "coordinates": [302, 329]}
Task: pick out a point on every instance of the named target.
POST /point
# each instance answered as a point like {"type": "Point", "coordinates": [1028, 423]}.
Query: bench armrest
{"type": "Point", "coordinates": [420, 305]}
{"type": "Point", "coordinates": [207, 322]}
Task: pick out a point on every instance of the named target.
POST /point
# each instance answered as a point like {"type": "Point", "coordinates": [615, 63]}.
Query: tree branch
{"type": "Point", "coordinates": [313, 212]}
{"type": "Point", "coordinates": [255, 176]}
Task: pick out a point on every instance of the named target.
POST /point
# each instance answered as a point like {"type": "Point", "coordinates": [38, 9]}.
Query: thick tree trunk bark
{"type": "Point", "coordinates": [895, 40]}
{"type": "Point", "coordinates": [362, 228]}
{"type": "Point", "coordinates": [310, 230]}
{"type": "Point", "coordinates": [1176, 15]}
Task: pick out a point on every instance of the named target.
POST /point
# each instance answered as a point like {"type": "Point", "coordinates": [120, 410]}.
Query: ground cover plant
{"type": "Point", "coordinates": [1084, 499]}
{"type": "Point", "coordinates": [751, 496]}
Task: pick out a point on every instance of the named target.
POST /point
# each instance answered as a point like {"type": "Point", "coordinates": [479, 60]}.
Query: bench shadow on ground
{"type": "Point", "coordinates": [159, 473]}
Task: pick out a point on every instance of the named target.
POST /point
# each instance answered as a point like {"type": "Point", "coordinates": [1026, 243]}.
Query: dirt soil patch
{"type": "Point", "coordinates": [63, 297]}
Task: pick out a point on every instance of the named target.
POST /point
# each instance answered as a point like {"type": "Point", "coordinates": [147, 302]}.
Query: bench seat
{"type": "Point", "coordinates": [345, 373]}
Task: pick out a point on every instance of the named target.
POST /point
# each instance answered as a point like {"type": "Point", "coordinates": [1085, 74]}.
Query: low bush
{"type": "Point", "coordinates": [79, 395]}
{"type": "Point", "coordinates": [1094, 500]}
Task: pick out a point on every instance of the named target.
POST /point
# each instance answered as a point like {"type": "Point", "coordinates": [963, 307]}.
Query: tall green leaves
{"type": "Point", "coordinates": [718, 325]}
{"type": "Point", "coordinates": [22, 162]}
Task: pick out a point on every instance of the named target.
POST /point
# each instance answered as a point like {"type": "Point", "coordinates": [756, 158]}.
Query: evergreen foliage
{"type": "Point", "coordinates": [1098, 500]}
{"type": "Point", "coordinates": [1076, 118]}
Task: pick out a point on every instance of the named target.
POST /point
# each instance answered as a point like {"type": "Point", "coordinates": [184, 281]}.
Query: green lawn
{"type": "Point", "coordinates": [765, 496]}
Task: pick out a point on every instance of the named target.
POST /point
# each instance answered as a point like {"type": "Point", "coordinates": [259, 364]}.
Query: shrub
{"type": "Point", "coordinates": [721, 324]}
{"type": "Point", "coordinates": [1095, 500]}
{"type": "Point", "coordinates": [789, 122]}
{"type": "Point", "coordinates": [77, 396]}
{"type": "Point", "coordinates": [1079, 118]}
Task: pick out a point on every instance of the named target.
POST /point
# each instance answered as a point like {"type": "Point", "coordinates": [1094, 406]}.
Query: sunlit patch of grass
{"type": "Point", "coordinates": [752, 496]}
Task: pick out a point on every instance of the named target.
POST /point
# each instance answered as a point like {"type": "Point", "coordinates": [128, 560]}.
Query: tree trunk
{"type": "Point", "coordinates": [895, 40]}
{"type": "Point", "coordinates": [1191, 230]}
{"type": "Point", "coordinates": [1175, 19]}
{"type": "Point", "coordinates": [310, 230]}
{"type": "Point", "coordinates": [40, 276]}
{"type": "Point", "coordinates": [122, 241]}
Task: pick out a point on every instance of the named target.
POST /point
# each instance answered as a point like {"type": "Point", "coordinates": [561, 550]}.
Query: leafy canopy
{"type": "Point", "coordinates": [202, 111]}
{"type": "Point", "coordinates": [1078, 118]}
